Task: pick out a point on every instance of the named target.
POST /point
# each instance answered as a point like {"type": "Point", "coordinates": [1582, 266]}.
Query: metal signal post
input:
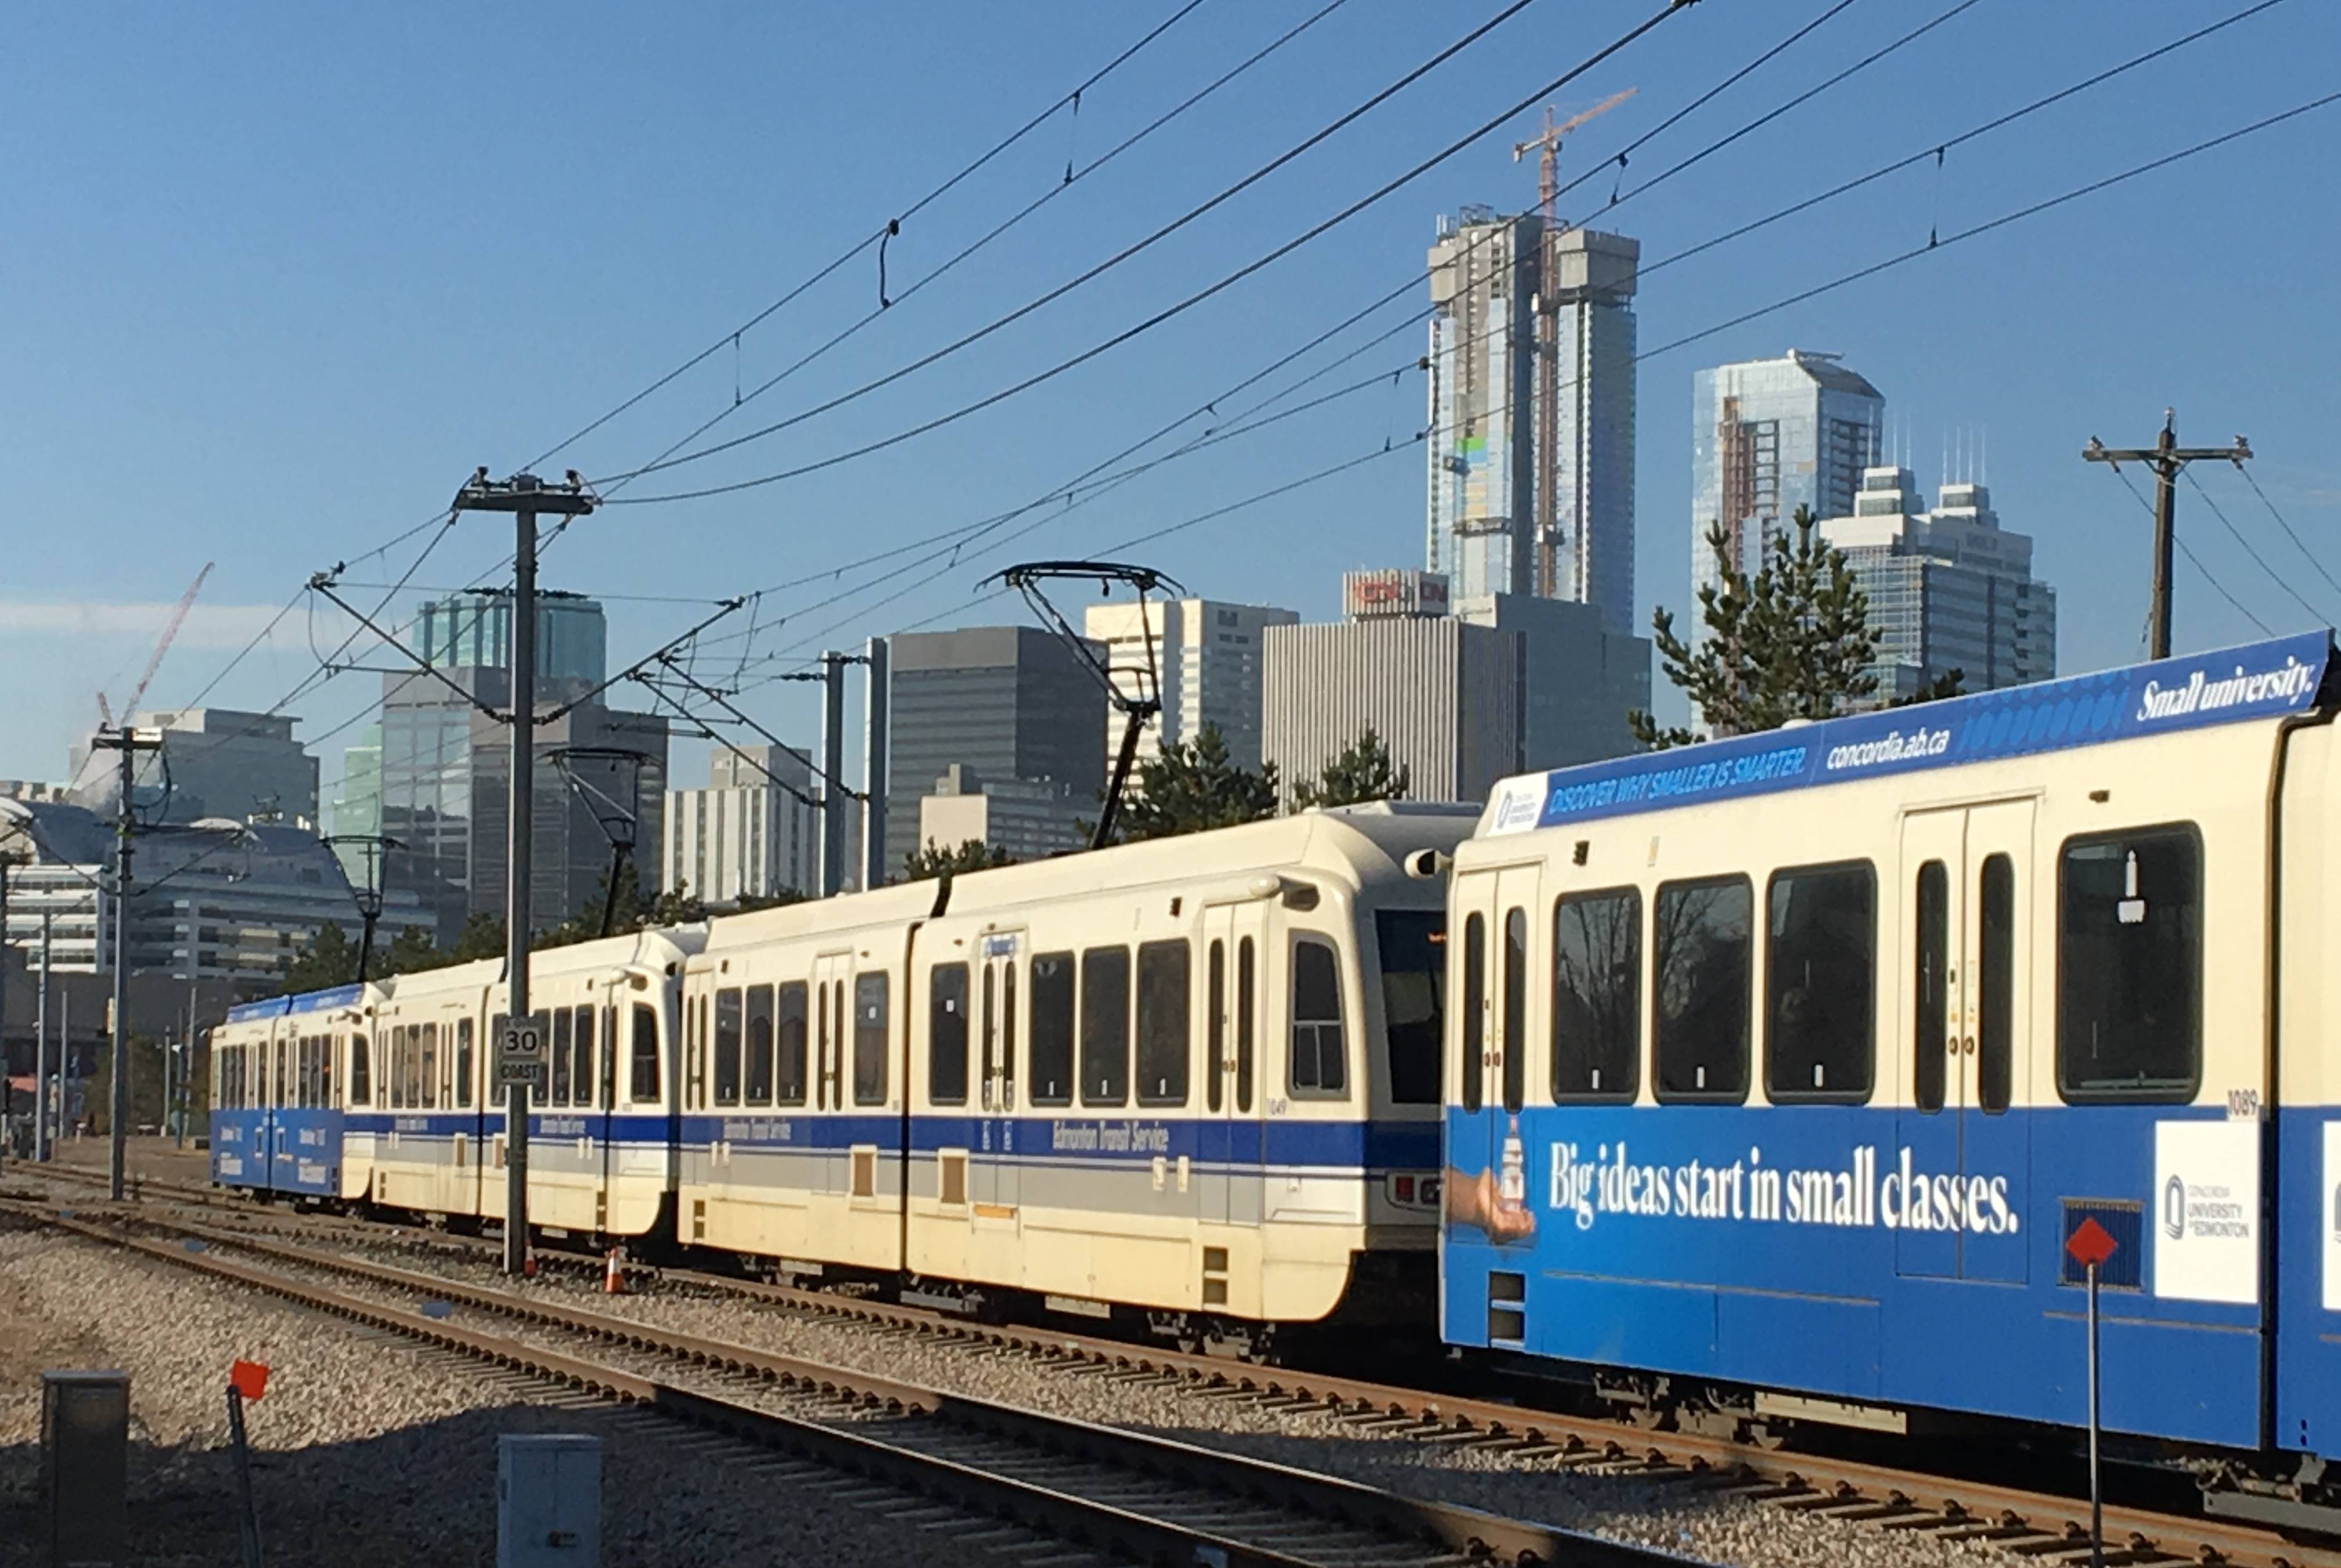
{"type": "Point", "coordinates": [2166, 457]}
{"type": "Point", "coordinates": [524, 496]}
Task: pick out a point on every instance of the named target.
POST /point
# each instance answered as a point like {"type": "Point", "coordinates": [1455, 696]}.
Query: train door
{"type": "Point", "coordinates": [833, 976]}
{"type": "Point", "coordinates": [1230, 1143]}
{"type": "Point", "coordinates": [1496, 907]}
{"type": "Point", "coordinates": [278, 1137]}
{"type": "Point", "coordinates": [995, 1181]}
{"type": "Point", "coordinates": [1959, 1176]}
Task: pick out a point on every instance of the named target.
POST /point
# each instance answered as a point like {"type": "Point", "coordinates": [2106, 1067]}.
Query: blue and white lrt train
{"type": "Point", "coordinates": [1783, 1068]}
{"type": "Point", "coordinates": [1189, 1085]}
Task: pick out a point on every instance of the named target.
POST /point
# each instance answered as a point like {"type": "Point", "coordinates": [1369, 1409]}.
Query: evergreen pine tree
{"type": "Point", "coordinates": [1193, 787]}
{"type": "Point", "coordinates": [1362, 772]}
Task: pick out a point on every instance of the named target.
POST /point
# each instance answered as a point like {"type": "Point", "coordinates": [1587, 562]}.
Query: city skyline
{"type": "Point", "coordinates": [1952, 338]}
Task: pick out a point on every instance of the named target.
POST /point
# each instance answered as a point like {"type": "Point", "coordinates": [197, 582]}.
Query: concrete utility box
{"type": "Point", "coordinates": [548, 1501]}
{"type": "Point", "coordinates": [85, 1465]}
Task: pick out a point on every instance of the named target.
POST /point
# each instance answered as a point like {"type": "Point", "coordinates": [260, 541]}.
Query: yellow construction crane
{"type": "Point", "coordinates": [1549, 146]}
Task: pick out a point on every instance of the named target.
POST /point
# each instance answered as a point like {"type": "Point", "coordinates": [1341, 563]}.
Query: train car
{"type": "Point", "coordinates": [791, 1133]}
{"type": "Point", "coordinates": [278, 1072]}
{"type": "Point", "coordinates": [1784, 1068]}
{"type": "Point", "coordinates": [1192, 1083]}
{"type": "Point", "coordinates": [600, 1135]}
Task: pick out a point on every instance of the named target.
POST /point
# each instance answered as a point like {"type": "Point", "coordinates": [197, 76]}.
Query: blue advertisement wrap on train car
{"type": "Point", "coordinates": [1818, 1248]}
{"type": "Point", "coordinates": [2259, 680]}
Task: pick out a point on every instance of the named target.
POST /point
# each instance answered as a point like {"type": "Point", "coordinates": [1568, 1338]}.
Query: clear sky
{"type": "Point", "coordinates": [275, 278]}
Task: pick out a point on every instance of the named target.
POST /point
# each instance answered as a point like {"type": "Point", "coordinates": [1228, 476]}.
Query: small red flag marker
{"type": "Point", "coordinates": [248, 1378]}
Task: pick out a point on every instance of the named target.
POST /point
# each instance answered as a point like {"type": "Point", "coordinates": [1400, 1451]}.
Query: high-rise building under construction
{"type": "Point", "coordinates": [1531, 463]}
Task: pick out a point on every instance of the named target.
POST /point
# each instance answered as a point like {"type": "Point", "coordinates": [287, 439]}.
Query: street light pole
{"type": "Point", "coordinates": [524, 496]}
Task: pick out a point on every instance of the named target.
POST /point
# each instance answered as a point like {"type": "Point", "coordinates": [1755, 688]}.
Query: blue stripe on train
{"type": "Point", "coordinates": [1345, 1145]}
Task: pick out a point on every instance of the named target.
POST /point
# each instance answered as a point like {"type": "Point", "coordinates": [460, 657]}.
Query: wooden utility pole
{"type": "Point", "coordinates": [129, 742]}
{"type": "Point", "coordinates": [2166, 457]}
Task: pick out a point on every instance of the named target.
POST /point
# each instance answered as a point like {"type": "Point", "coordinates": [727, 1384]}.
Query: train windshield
{"type": "Point", "coordinates": [1414, 977]}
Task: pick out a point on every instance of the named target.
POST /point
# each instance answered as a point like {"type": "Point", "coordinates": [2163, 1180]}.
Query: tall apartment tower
{"type": "Point", "coordinates": [1531, 463]}
{"type": "Point", "coordinates": [1948, 588]}
{"type": "Point", "coordinates": [1769, 436]}
{"type": "Point", "coordinates": [1207, 656]}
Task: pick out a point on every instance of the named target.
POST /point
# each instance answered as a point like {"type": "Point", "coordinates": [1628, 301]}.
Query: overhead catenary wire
{"type": "Point", "coordinates": [880, 233]}
{"type": "Point", "coordinates": [1649, 353]}
{"type": "Point", "coordinates": [741, 400]}
{"type": "Point", "coordinates": [1631, 35]}
{"type": "Point", "coordinates": [2001, 222]}
{"type": "Point", "coordinates": [1972, 133]}
{"type": "Point", "coordinates": [2031, 210]}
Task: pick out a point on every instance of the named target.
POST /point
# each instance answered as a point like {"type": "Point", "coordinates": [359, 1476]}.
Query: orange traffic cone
{"type": "Point", "coordinates": [613, 1281]}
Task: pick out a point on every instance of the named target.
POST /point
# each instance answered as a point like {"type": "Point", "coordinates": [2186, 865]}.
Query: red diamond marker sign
{"type": "Point", "coordinates": [2090, 1243]}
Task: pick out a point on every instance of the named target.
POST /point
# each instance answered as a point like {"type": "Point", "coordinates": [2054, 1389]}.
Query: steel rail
{"type": "Point", "coordinates": [1448, 1528]}
{"type": "Point", "coordinates": [1949, 1507]}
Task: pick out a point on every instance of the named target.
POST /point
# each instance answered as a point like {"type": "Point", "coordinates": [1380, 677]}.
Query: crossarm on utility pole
{"type": "Point", "coordinates": [2168, 459]}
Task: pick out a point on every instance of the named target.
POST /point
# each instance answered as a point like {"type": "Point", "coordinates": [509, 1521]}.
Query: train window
{"type": "Point", "coordinates": [463, 1062]}
{"type": "Point", "coordinates": [789, 1046]}
{"type": "Point", "coordinates": [1164, 1040]}
{"type": "Point", "coordinates": [1412, 945]}
{"type": "Point", "coordinates": [1105, 1027]}
{"type": "Point", "coordinates": [758, 1089]}
{"type": "Point", "coordinates": [869, 1039]}
{"type": "Point", "coordinates": [1515, 1007]}
{"type": "Point", "coordinates": [1932, 1043]}
{"type": "Point", "coordinates": [393, 1073]}
{"type": "Point", "coordinates": [727, 1046]}
{"type": "Point", "coordinates": [1597, 996]}
{"type": "Point", "coordinates": [1996, 978]}
{"type": "Point", "coordinates": [1820, 984]}
{"type": "Point", "coordinates": [429, 1034]}
{"type": "Point", "coordinates": [558, 1093]}
{"type": "Point", "coordinates": [581, 1077]}
{"type": "Point", "coordinates": [642, 1078]}
{"type": "Point", "coordinates": [1052, 1032]}
{"type": "Point", "coordinates": [1700, 946]}
{"type": "Point", "coordinates": [284, 1071]}
{"type": "Point", "coordinates": [2130, 966]}
{"type": "Point", "coordinates": [1475, 1009]}
{"type": "Point", "coordinates": [1246, 1014]}
{"type": "Point", "coordinates": [361, 1075]}
{"type": "Point", "coordinates": [947, 1033]}
{"type": "Point", "coordinates": [1215, 1022]}
{"type": "Point", "coordinates": [1319, 1064]}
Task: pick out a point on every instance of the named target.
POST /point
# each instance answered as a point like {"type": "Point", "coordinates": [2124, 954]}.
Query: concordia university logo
{"type": "Point", "coordinates": [2174, 1207]}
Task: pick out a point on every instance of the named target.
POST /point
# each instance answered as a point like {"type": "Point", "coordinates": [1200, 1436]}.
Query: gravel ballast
{"type": "Point", "coordinates": [365, 1450]}
{"type": "Point", "coordinates": [1677, 1518]}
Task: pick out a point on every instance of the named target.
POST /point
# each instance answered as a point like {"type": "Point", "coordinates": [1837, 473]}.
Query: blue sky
{"type": "Point", "coordinates": [277, 277]}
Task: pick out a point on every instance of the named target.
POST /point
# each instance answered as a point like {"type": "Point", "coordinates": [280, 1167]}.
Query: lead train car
{"type": "Point", "coordinates": [1191, 1083]}
{"type": "Point", "coordinates": [277, 1072]}
{"type": "Point", "coordinates": [1785, 1067]}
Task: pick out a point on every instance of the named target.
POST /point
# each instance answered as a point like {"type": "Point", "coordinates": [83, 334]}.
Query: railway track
{"type": "Point", "coordinates": [1121, 1494]}
{"type": "Point", "coordinates": [2044, 1525]}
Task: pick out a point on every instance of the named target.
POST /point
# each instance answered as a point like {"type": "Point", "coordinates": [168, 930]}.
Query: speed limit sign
{"type": "Point", "coordinates": [520, 1053]}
